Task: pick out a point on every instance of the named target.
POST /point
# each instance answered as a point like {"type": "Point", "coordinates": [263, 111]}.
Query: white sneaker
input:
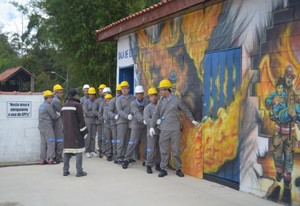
{"type": "Point", "coordinates": [88, 155]}
{"type": "Point", "coordinates": [94, 154]}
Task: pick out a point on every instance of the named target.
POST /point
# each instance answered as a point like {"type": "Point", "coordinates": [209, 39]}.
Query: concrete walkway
{"type": "Point", "coordinates": [109, 184]}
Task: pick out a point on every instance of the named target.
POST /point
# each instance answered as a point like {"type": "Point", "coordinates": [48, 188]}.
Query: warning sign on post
{"type": "Point", "coordinates": [18, 109]}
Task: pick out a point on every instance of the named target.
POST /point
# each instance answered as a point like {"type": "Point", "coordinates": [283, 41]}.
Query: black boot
{"type": "Point", "coordinates": [125, 164]}
{"type": "Point", "coordinates": [162, 173]}
{"type": "Point", "coordinates": [66, 173]}
{"type": "Point", "coordinates": [81, 174]}
{"type": "Point", "coordinates": [149, 170]}
{"type": "Point", "coordinates": [179, 173]}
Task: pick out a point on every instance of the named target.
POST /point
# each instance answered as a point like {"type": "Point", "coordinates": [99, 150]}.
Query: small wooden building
{"type": "Point", "coordinates": [17, 79]}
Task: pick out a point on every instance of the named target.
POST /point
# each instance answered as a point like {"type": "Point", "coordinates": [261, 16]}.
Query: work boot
{"type": "Point", "coordinates": [94, 154]}
{"type": "Point", "coordinates": [100, 154]}
{"type": "Point", "coordinates": [120, 162]}
{"type": "Point", "coordinates": [125, 164]}
{"type": "Point", "coordinates": [131, 160]}
{"type": "Point", "coordinates": [109, 158]}
{"type": "Point", "coordinates": [149, 170]}
{"type": "Point", "coordinates": [52, 162]}
{"type": "Point", "coordinates": [157, 167]}
{"type": "Point", "coordinates": [88, 155]}
{"type": "Point", "coordinates": [179, 173]}
{"type": "Point", "coordinates": [81, 174]}
{"type": "Point", "coordinates": [66, 173]}
{"type": "Point", "coordinates": [162, 173]}
{"type": "Point", "coordinates": [43, 162]}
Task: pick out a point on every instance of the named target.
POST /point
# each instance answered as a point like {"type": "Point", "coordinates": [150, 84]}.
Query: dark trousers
{"type": "Point", "coordinates": [67, 157]}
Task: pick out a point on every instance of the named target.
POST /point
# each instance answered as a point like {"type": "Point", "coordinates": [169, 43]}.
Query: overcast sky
{"type": "Point", "coordinates": [11, 18]}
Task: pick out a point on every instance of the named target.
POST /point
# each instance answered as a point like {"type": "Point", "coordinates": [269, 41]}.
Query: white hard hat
{"type": "Point", "coordinates": [106, 90]}
{"type": "Point", "coordinates": [86, 86]}
{"type": "Point", "coordinates": [138, 89]}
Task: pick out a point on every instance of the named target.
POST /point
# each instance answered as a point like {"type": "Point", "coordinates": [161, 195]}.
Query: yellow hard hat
{"type": "Point", "coordinates": [119, 88]}
{"type": "Point", "coordinates": [108, 96]}
{"type": "Point", "coordinates": [165, 84]}
{"type": "Point", "coordinates": [101, 86]}
{"type": "Point", "coordinates": [57, 87]}
{"type": "Point", "coordinates": [124, 84]}
{"type": "Point", "coordinates": [48, 93]}
{"type": "Point", "coordinates": [92, 90]}
{"type": "Point", "coordinates": [152, 90]}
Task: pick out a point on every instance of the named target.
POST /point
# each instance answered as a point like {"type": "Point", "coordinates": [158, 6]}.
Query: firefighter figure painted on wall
{"type": "Point", "coordinates": [284, 132]}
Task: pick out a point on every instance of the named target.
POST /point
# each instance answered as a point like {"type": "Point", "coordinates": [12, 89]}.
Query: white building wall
{"type": "Point", "coordinates": [19, 136]}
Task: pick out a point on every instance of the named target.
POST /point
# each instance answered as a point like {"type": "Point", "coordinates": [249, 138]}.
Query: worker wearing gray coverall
{"type": "Point", "coordinates": [138, 128]}
{"type": "Point", "coordinates": [89, 118]}
{"type": "Point", "coordinates": [153, 153]}
{"type": "Point", "coordinates": [46, 116]}
{"type": "Point", "coordinates": [98, 123]}
{"type": "Point", "coordinates": [112, 112]}
{"type": "Point", "coordinates": [123, 104]}
{"type": "Point", "coordinates": [167, 115]}
{"type": "Point", "coordinates": [107, 128]}
{"type": "Point", "coordinates": [57, 124]}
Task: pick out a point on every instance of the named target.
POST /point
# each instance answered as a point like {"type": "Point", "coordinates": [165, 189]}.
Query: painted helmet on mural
{"type": "Point", "coordinates": [165, 84]}
{"type": "Point", "coordinates": [101, 86]}
{"type": "Point", "coordinates": [124, 84]}
{"type": "Point", "coordinates": [92, 90]}
{"type": "Point", "coordinates": [86, 86]}
{"type": "Point", "coordinates": [108, 96]}
{"type": "Point", "coordinates": [289, 72]}
{"type": "Point", "coordinates": [57, 87]}
{"type": "Point", "coordinates": [48, 93]}
{"type": "Point", "coordinates": [139, 89]}
{"type": "Point", "coordinates": [152, 90]}
{"type": "Point", "coordinates": [106, 90]}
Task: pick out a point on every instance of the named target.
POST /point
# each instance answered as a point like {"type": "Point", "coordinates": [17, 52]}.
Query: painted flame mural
{"type": "Point", "coordinates": [224, 61]}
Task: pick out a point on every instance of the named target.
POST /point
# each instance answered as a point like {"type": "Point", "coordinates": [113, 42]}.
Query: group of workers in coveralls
{"type": "Point", "coordinates": [120, 124]}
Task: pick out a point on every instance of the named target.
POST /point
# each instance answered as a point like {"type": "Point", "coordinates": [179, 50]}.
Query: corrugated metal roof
{"type": "Point", "coordinates": [4, 76]}
{"type": "Point", "coordinates": [144, 17]}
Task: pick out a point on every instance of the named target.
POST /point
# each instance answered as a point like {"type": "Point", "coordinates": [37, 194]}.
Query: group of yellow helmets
{"type": "Point", "coordinates": [163, 84]}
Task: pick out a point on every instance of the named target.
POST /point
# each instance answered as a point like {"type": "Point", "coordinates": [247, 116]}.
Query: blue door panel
{"type": "Point", "coordinates": [222, 78]}
{"type": "Point", "coordinates": [127, 74]}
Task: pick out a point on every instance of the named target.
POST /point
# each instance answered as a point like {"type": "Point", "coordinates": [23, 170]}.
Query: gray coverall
{"type": "Point", "coordinates": [168, 110]}
{"type": "Point", "coordinates": [83, 99]}
{"type": "Point", "coordinates": [138, 129]}
{"type": "Point", "coordinates": [107, 131]}
{"type": "Point", "coordinates": [99, 126]}
{"type": "Point", "coordinates": [58, 129]}
{"type": "Point", "coordinates": [153, 153]}
{"type": "Point", "coordinates": [123, 125]}
{"type": "Point", "coordinates": [112, 112]}
{"type": "Point", "coordinates": [89, 118]}
{"type": "Point", "coordinates": [46, 117]}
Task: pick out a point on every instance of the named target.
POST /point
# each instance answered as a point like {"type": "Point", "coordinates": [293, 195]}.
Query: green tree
{"type": "Point", "coordinates": [60, 37]}
{"type": "Point", "coordinates": [8, 56]}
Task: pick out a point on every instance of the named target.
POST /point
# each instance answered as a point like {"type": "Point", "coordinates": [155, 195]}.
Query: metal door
{"type": "Point", "coordinates": [127, 74]}
{"type": "Point", "coordinates": [222, 77]}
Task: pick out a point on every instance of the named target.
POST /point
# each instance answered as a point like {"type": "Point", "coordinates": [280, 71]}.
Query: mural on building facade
{"type": "Point", "coordinates": [231, 69]}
